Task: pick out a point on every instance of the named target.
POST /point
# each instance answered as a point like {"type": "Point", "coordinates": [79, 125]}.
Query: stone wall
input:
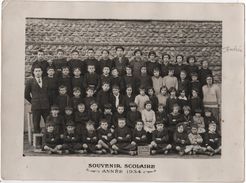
{"type": "Point", "coordinates": [200, 38]}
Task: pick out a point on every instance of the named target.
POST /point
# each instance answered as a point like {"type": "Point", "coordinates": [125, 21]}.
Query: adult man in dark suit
{"type": "Point", "coordinates": [41, 62]}
{"type": "Point", "coordinates": [36, 92]}
{"type": "Point", "coordinates": [120, 61]}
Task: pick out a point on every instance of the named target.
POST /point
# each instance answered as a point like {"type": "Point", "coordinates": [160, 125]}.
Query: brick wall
{"type": "Point", "coordinates": [202, 39]}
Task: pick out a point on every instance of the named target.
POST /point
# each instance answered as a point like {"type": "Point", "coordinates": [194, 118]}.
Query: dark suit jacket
{"type": "Point", "coordinates": [112, 100]}
{"type": "Point", "coordinates": [37, 96]}
{"type": "Point", "coordinates": [121, 66]}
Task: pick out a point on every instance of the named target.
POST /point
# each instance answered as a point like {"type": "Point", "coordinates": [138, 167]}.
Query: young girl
{"type": "Point", "coordinates": [141, 98]}
{"type": "Point", "coordinates": [153, 99]}
{"type": "Point", "coordinates": [182, 99]}
{"type": "Point", "coordinates": [133, 115]}
{"type": "Point", "coordinates": [163, 96]}
{"type": "Point", "coordinates": [171, 100]}
{"type": "Point", "coordinates": [170, 80]}
{"type": "Point", "coordinates": [187, 117]}
{"type": "Point", "coordinates": [152, 63]}
{"type": "Point", "coordinates": [180, 138]}
{"type": "Point", "coordinates": [204, 72]}
{"type": "Point", "coordinates": [128, 98]}
{"type": "Point", "coordinates": [165, 64]}
{"type": "Point", "coordinates": [199, 121]}
{"type": "Point", "coordinates": [148, 117]}
{"type": "Point", "coordinates": [161, 114]}
{"type": "Point", "coordinates": [157, 80]}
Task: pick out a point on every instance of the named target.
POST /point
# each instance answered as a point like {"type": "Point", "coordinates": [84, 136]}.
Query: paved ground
{"type": "Point", "coordinates": [29, 151]}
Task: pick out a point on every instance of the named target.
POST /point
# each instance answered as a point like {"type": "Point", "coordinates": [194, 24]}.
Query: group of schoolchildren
{"type": "Point", "coordinates": [115, 105]}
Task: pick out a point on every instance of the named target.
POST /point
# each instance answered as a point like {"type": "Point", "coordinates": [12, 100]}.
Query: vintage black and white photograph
{"type": "Point", "coordinates": [123, 87]}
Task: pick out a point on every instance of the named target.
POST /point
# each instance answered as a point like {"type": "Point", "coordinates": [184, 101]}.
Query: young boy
{"type": "Point", "coordinates": [136, 63]}
{"type": "Point", "coordinates": [145, 80]}
{"type": "Point", "coordinates": [180, 139]}
{"type": "Point", "coordinates": [94, 114]}
{"type": "Point", "coordinates": [133, 115]}
{"type": "Point", "coordinates": [139, 135]}
{"type": "Point", "coordinates": [115, 97]}
{"type": "Point", "coordinates": [77, 80]}
{"type": "Point", "coordinates": [184, 83]}
{"type": "Point", "coordinates": [160, 139]}
{"type": "Point", "coordinates": [129, 79]}
{"type": "Point", "coordinates": [63, 99]}
{"type": "Point", "coordinates": [90, 139]}
{"type": "Point", "coordinates": [209, 118]}
{"type": "Point", "coordinates": [122, 139]}
{"type": "Point", "coordinates": [170, 80]}
{"type": "Point", "coordinates": [92, 61]}
{"type": "Point", "coordinates": [120, 61]}
{"type": "Point", "coordinates": [128, 97]}
{"type": "Point", "coordinates": [212, 139]}
{"type": "Point", "coordinates": [71, 139]}
{"type": "Point", "coordinates": [75, 62]}
{"type": "Point", "coordinates": [104, 135]}
{"type": "Point", "coordinates": [164, 66]}
{"type": "Point", "coordinates": [195, 102]}
{"type": "Point", "coordinates": [65, 80]}
{"type": "Point", "coordinates": [105, 61]}
{"type": "Point", "coordinates": [120, 113]}
{"type": "Point", "coordinates": [152, 63]}
{"type": "Point", "coordinates": [68, 114]}
{"type": "Point", "coordinates": [108, 115]}
{"type": "Point", "coordinates": [141, 98]}
{"type": "Point", "coordinates": [195, 84]}
{"type": "Point", "coordinates": [195, 141]}
{"type": "Point", "coordinates": [51, 140]}
{"type": "Point", "coordinates": [56, 119]}
{"type": "Point", "coordinates": [76, 99]}
{"type": "Point", "coordinates": [103, 96]}
{"type": "Point", "coordinates": [157, 80]}
{"type": "Point", "coordinates": [89, 98]}
{"type": "Point", "coordinates": [179, 66]}
{"type": "Point", "coordinates": [52, 85]}
{"type": "Point", "coordinates": [204, 72]}
{"type": "Point", "coordinates": [105, 77]}
{"type": "Point", "coordinates": [116, 79]}
{"type": "Point", "coordinates": [59, 62]}
{"type": "Point", "coordinates": [92, 79]}
{"type": "Point", "coordinates": [80, 118]}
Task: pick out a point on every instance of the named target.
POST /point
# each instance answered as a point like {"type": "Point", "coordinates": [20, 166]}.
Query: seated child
{"type": "Point", "coordinates": [160, 140]}
{"type": "Point", "coordinates": [103, 95]}
{"type": "Point", "coordinates": [51, 140]}
{"type": "Point", "coordinates": [71, 140]}
{"type": "Point", "coordinates": [105, 136]}
{"type": "Point", "coordinates": [56, 119]}
{"type": "Point", "coordinates": [90, 139]}
{"type": "Point", "coordinates": [153, 99]}
{"type": "Point", "coordinates": [139, 135]}
{"type": "Point", "coordinates": [180, 138]}
{"type": "Point", "coordinates": [108, 115]}
{"type": "Point", "coordinates": [105, 77]}
{"type": "Point", "coordinates": [195, 141]}
{"type": "Point", "coordinates": [116, 98]}
{"type": "Point", "coordinates": [213, 140]}
{"type": "Point", "coordinates": [80, 118]}
{"type": "Point", "coordinates": [209, 118]}
{"type": "Point", "coordinates": [163, 96]}
{"type": "Point", "coordinates": [76, 99]}
{"type": "Point", "coordinates": [148, 117]}
{"type": "Point", "coordinates": [120, 113]}
{"type": "Point", "coordinates": [122, 139]}
{"type": "Point", "coordinates": [161, 114]}
{"type": "Point", "coordinates": [63, 99]}
{"type": "Point", "coordinates": [141, 98]}
{"type": "Point", "coordinates": [68, 114]}
{"type": "Point", "coordinates": [94, 114]}
{"type": "Point", "coordinates": [187, 117]}
{"type": "Point", "coordinates": [157, 80]}
{"type": "Point", "coordinates": [199, 121]}
{"type": "Point", "coordinates": [133, 115]}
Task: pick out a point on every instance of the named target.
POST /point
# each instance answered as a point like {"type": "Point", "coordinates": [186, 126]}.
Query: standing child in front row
{"type": "Point", "coordinates": [105, 136]}
{"type": "Point", "coordinates": [148, 117]}
{"type": "Point", "coordinates": [141, 98]}
{"type": "Point", "coordinates": [122, 139]}
{"type": "Point", "coordinates": [63, 99]}
{"type": "Point", "coordinates": [139, 136]}
{"type": "Point", "coordinates": [160, 140]}
{"type": "Point", "coordinates": [51, 139]}
{"type": "Point", "coordinates": [180, 139]}
{"type": "Point", "coordinates": [163, 96]}
{"type": "Point", "coordinates": [90, 139]}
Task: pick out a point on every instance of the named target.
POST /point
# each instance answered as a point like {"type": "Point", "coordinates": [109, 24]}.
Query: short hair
{"type": "Point", "coordinates": [115, 87]}
{"type": "Point", "coordinates": [68, 108]}
{"type": "Point", "coordinates": [59, 50]}
{"type": "Point", "coordinates": [152, 53]}
{"type": "Point", "coordinates": [121, 119]}
{"type": "Point", "coordinates": [81, 104]}
{"type": "Point", "coordinates": [37, 67]}
{"type": "Point", "coordinates": [107, 106]}
{"type": "Point", "coordinates": [171, 68]}
{"type": "Point", "coordinates": [186, 108]}
{"type": "Point", "coordinates": [138, 50]}
{"type": "Point", "coordinates": [76, 89]}
{"type": "Point", "coordinates": [93, 102]}
{"type": "Point", "coordinates": [139, 121]}
{"type": "Point", "coordinates": [105, 50]}
{"type": "Point", "coordinates": [103, 120]}
{"type": "Point", "coordinates": [119, 47]}
{"type": "Point", "coordinates": [144, 65]}
{"type": "Point", "coordinates": [62, 86]}
{"type": "Point", "coordinates": [164, 54]}
{"type": "Point", "coordinates": [151, 88]}
{"type": "Point", "coordinates": [90, 122]}
{"type": "Point", "coordinates": [176, 105]}
{"type": "Point", "coordinates": [147, 102]}
{"type": "Point", "coordinates": [114, 68]}
{"type": "Point", "coordinates": [65, 67]}
{"type": "Point", "coordinates": [156, 69]}
{"type": "Point", "coordinates": [129, 86]}
{"type": "Point", "coordinates": [194, 74]}
{"type": "Point", "coordinates": [50, 67]}
{"type": "Point", "coordinates": [75, 51]}
{"type": "Point", "coordinates": [91, 64]}
{"type": "Point", "coordinates": [161, 105]}
{"type": "Point", "coordinates": [120, 105]}
{"type": "Point", "coordinates": [54, 107]}
{"type": "Point", "coordinates": [172, 89]}
{"type": "Point", "coordinates": [132, 104]}
{"type": "Point", "coordinates": [142, 87]}
{"type": "Point", "coordinates": [189, 57]}
{"type": "Point", "coordinates": [105, 83]}
{"type": "Point", "coordinates": [183, 71]}
{"type": "Point", "coordinates": [76, 68]}
{"type": "Point", "coordinates": [179, 55]}
{"type": "Point", "coordinates": [163, 87]}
